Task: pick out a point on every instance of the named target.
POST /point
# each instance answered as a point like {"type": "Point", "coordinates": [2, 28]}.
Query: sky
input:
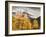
{"type": "Point", "coordinates": [34, 11]}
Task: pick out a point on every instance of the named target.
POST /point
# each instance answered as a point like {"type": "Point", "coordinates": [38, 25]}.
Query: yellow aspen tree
{"type": "Point", "coordinates": [35, 24]}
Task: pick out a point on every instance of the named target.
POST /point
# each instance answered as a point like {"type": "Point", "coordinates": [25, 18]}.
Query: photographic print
{"type": "Point", "coordinates": [24, 18]}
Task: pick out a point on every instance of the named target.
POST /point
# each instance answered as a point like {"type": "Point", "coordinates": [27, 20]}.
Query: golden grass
{"type": "Point", "coordinates": [23, 24]}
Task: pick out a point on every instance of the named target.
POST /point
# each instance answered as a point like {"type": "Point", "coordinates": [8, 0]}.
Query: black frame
{"type": "Point", "coordinates": [6, 18]}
